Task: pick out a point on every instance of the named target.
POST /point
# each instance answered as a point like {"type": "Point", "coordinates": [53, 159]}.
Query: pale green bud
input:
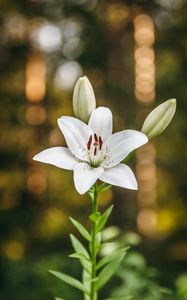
{"type": "Point", "coordinates": [83, 99]}
{"type": "Point", "coordinates": [157, 121]}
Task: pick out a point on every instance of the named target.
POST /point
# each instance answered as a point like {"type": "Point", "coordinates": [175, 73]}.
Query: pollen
{"type": "Point", "coordinates": [94, 147]}
{"type": "Point", "coordinates": [89, 142]}
{"type": "Point", "coordinates": [100, 143]}
{"type": "Point", "coordinates": [95, 138]}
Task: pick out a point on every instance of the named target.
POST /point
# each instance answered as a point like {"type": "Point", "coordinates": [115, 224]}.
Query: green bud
{"type": "Point", "coordinates": [83, 99]}
{"type": "Point", "coordinates": [157, 121]}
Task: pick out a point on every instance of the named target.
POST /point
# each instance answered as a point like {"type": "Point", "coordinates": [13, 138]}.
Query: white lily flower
{"type": "Point", "coordinates": [94, 152]}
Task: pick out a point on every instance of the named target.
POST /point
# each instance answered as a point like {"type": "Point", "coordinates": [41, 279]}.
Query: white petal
{"type": "Point", "coordinates": [76, 134]}
{"type": "Point", "coordinates": [120, 144]}
{"type": "Point", "coordinates": [120, 175]}
{"type": "Point", "coordinates": [85, 176]}
{"type": "Point", "coordinates": [58, 156]}
{"type": "Point", "coordinates": [101, 122]}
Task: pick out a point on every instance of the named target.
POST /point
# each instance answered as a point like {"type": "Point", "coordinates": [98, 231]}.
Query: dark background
{"type": "Point", "coordinates": [45, 46]}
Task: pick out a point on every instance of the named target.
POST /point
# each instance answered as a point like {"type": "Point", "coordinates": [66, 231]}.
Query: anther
{"type": "Point", "coordinates": [100, 143]}
{"type": "Point", "coordinates": [89, 142]}
{"type": "Point", "coordinates": [95, 137]}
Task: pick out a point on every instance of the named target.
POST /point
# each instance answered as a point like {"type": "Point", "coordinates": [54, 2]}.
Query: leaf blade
{"type": "Point", "coordinates": [69, 280]}
{"type": "Point", "coordinates": [104, 187]}
{"type": "Point", "coordinates": [120, 298]}
{"type": "Point", "coordinates": [83, 231]}
{"type": "Point", "coordinates": [111, 257]}
{"type": "Point", "coordinates": [79, 248]}
{"type": "Point", "coordinates": [86, 279]}
{"type": "Point", "coordinates": [79, 256]}
{"type": "Point", "coordinates": [108, 271]}
{"type": "Point", "coordinates": [104, 218]}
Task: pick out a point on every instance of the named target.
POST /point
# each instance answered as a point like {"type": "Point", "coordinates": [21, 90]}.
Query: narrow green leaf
{"type": "Point", "coordinates": [79, 256]}
{"type": "Point", "coordinates": [104, 187]}
{"type": "Point", "coordinates": [120, 298]}
{"type": "Point", "coordinates": [79, 248]}
{"type": "Point", "coordinates": [108, 271]}
{"type": "Point", "coordinates": [77, 245]}
{"type": "Point", "coordinates": [86, 278]}
{"type": "Point", "coordinates": [109, 258]}
{"type": "Point", "coordinates": [91, 192]}
{"type": "Point", "coordinates": [69, 280]}
{"type": "Point", "coordinates": [83, 231]}
{"type": "Point", "coordinates": [104, 218]}
{"type": "Point", "coordinates": [57, 298]}
{"type": "Point", "coordinates": [129, 156]}
{"type": "Point", "coordinates": [165, 291]}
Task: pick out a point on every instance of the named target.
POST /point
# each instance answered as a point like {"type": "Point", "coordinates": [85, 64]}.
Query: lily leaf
{"type": "Point", "coordinates": [91, 192]}
{"type": "Point", "coordinates": [120, 298]}
{"type": "Point", "coordinates": [109, 258]}
{"type": "Point", "coordinates": [77, 245]}
{"type": "Point", "coordinates": [86, 278]}
{"type": "Point", "coordinates": [108, 271]}
{"type": "Point", "coordinates": [104, 218]}
{"type": "Point", "coordinates": [70, 280]}
{"type": "Point", "coordinates": [104, 187]}
{"type": "Point", "coordinates": [79, 248]}
{"type": "Point", "coordinates": [128, 157]}
{"type": "Point", "coordinates": [79, 256]}
{"type": "Point", "coordinates": [83, 231]}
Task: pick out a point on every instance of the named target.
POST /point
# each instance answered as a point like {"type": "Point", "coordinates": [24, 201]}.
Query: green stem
{"type": "Point", "coordinates": [93, 248]}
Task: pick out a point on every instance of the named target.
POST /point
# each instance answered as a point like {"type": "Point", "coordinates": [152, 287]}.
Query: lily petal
{"type": "Point", "coordinates": [101, 122]}
{"type": "Point", "coordinates": [85, 176]}
{"type": "Point", "coordinates": [120, 175]}
{"type": "Point", "coordinates": [76, 134]}
{"type": "Point", "coordinates": [58, 156]}
{"type": "Point", "coordinates": [120, 144]}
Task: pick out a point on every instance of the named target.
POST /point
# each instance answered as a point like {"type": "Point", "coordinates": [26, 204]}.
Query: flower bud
{"type": "Point", "coordinates": [83, 99]}
{"type": "Point", "coordinates": [157, 121]}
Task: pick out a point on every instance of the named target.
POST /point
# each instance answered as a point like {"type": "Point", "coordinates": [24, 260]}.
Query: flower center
{"type": "Point", "coordinates": [94, 147]}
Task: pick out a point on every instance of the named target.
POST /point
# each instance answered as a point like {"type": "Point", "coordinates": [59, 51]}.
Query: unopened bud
{"type": "Point", "coordinates": [83, 99]}
{"type": "Point", "coordinates": [157, 121]}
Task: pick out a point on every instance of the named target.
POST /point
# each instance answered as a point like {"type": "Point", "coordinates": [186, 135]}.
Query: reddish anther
{"type": "Point", "coordinates": [100, 143]}
{"type": "Point", "coordinates": [89, 142]}
{"type": "Point", "coordinates": [95, 137]}
{"type": "Point", "coordinates": [95, 151]}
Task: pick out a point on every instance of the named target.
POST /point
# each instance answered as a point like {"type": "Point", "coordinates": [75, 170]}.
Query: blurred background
{"type": "Point", "coordinates": [135, 55]}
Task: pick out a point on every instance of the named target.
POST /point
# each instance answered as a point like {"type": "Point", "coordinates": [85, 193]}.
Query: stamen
{"type": "Point", "coordinates": [100, 143]}
{"type": "Point", "coordinates": [95, 151]}
{"type": "Point", "coordinates": [95, 137]}
{"type": "Point", "coordinates": [89, 142]}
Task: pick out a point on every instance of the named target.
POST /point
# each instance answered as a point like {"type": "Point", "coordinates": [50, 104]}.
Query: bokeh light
{"type": "Point", "coordinates": [67, 74]}
{"type": "Point", "coordinates": [144, 59]}
{"type": "Point", "coordinates": [36, 115]}
{"type": "Point", "coordinates": [47, 37]}
{"type": "Point", "coordinates": [14, 250]}
{"type": "Point", "coordinates": [35, 79]}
